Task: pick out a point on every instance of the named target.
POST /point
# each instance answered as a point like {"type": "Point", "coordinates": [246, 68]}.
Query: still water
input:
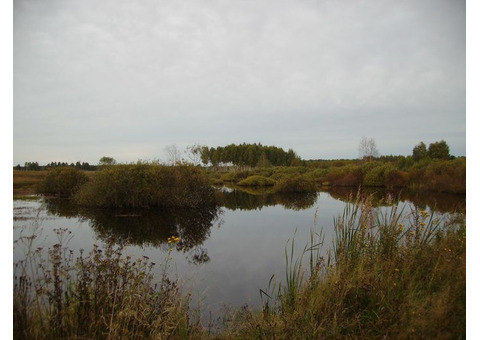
{"type": "Point", "coordinates": [225, 255]}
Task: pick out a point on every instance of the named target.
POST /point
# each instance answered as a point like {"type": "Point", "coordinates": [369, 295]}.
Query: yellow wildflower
{"type": "Point", "coordinates": [424, 213]}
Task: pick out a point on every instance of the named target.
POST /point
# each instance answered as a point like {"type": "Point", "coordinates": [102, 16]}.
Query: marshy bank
{"type": "Point", "coordinates": [431, 175]}
{"type": "Point", "coordinates": [218, 258]}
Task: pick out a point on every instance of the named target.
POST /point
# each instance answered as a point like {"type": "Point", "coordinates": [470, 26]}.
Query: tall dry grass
{"type": "Point", "coordinates": [100, 295]}
{"type": "Point", "coordinates": [391, 273]}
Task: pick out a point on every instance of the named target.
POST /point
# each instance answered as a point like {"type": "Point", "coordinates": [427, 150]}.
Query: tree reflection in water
{"type": "Point", "coordinates": [437, 201]}
{"type": "Point", "coordinates": [236, 198]}
{"type": "Point", "coordinates": [153, 227]}
{"type": "Point", "coordinates": [147, 227]}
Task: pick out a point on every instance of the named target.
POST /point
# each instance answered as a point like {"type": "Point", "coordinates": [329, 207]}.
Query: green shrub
{"type": "Point", "coordinates": [257, 181]}
{"type": "Point", "coordinates": [447, 176]}
{"type": "Point", "coordinates": [147, 185]}
{"type": "Point", "coordinates": [395, 178]}
{"type": "Point", "coordinates": [376, 176]}
{"type": "Point", "coordinates": [350, 175]}
{"type": "Point", "coordinates": [439, 175]}
{"type": "Point", "coordinates": [63, 182]}
{"type": "Point", "coordinates": [295, 184]}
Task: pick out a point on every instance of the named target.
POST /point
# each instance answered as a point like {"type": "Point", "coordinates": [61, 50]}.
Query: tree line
{"type": "Point", "coordinates": [258, 155]}
{"type": "Point", "coordinates": [35, 166]}
{"type": "Point", "coordinates": [252, 155]}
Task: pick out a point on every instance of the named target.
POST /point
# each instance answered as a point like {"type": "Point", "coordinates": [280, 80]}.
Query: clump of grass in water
{"type": "Point", "coordinates": [390, 273]}
{"type": "Point", "coordinates": [102, 295]}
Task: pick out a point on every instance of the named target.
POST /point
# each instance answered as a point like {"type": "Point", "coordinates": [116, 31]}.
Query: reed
{"type": "Point", "coordinates": [391, 273]}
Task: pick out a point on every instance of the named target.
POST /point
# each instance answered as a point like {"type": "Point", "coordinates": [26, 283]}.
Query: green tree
{"type": "Point", "coordinates": [205, 155]}
{"type": "Point", "coordinates": [439, 150]}
{"type": "Point", "coordinates": [107, 161]}
{"type": "Point", "coordinates": [419, 151]}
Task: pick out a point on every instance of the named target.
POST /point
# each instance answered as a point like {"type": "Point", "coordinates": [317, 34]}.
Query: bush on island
{"type": "Point", "coordinates": [62, 182]}
{"type": "Point", "coordinates": [145, 185]}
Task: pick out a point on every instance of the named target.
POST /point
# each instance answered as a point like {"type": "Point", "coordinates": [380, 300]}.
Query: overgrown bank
{"type": "Point", "coordinates": [447, 176]}
{"type": "Point", "coordinates": [101, 295]}
{"type": "Point", "coordinates": [387, 276]}
{"type": "Point", "coordinates": [391, 273]}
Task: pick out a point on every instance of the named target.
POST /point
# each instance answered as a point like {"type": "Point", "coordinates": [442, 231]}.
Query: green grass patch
{"type": "Point", "coordinates": [256, 181]}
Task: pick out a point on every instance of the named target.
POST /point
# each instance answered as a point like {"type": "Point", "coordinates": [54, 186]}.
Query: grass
{"type": "Point", "coordinates": [26, 182]}
{"type": "Point", "coordinates": [387, 276]}
{"type": "Point", "coordinates": [100, 295]}
{"type": "Point", "coordinates": [256, 181]}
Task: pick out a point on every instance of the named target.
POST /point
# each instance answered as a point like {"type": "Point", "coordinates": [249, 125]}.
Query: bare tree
{"type": "Point", "coordinates": [194, 153]}
{"type": "Point", "coordinates": [367, 149]}
{"type": "Point", "coordinates": [173, 154]}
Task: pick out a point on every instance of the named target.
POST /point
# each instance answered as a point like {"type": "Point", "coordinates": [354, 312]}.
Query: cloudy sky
{"type": "Point", "coordinates": [127, 78]}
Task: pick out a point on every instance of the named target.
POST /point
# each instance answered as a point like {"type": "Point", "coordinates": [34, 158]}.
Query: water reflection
{"type": "Point", "coordinates": [143, 227]}
{"type": "Point", "coordinates": [235, 197]}
{"type": "Point", "coordinates": [438, 202]}
{"type": "Point", "coordinates": [153, 227]}
{"type": "Point", "coordinates": [238, 198]}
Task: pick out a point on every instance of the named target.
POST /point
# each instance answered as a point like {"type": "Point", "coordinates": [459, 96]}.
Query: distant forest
{"type": "Point", "coordinates": [253, 155]}
{"type": "Point", "coordinates": [36, 166]}
{"type": "Point", "coordinates": [261, 156]}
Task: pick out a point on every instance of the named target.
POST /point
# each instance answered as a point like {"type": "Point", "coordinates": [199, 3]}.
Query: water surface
{"type": "Point", "coordinates": [226, 254]}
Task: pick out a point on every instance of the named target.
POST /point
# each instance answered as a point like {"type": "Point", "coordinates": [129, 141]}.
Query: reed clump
{"type": "Point", "coordinates": [144, 185]}
{"type": "Point", "coordinates": [101, 295]}
{"type": "Point", "coordinates": [390, 274]}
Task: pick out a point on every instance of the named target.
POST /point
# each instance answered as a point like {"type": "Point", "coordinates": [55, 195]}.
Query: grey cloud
{"type": "Point", "coordinates": [152, 73]}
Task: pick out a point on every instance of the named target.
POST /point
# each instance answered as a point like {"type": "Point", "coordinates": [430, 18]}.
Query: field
{"type": "Point", "coordinates": [25, 182]}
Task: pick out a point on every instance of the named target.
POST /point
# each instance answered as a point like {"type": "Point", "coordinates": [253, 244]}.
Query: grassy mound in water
{"type": "Point", "coordinates": [146, 185]}
{"type": "Point", "coordinates": [257, 181]}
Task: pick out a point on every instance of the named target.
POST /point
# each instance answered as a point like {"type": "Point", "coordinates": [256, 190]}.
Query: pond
{"type": "Point", "coordinates": [224, 255]}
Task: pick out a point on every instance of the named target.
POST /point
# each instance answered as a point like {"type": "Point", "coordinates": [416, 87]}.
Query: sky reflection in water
{"type": "Point", "coordinates": [225, 255]}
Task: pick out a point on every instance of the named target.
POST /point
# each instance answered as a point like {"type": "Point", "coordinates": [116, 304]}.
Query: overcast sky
{"type": "Point", "coordinates": [127, 78]}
